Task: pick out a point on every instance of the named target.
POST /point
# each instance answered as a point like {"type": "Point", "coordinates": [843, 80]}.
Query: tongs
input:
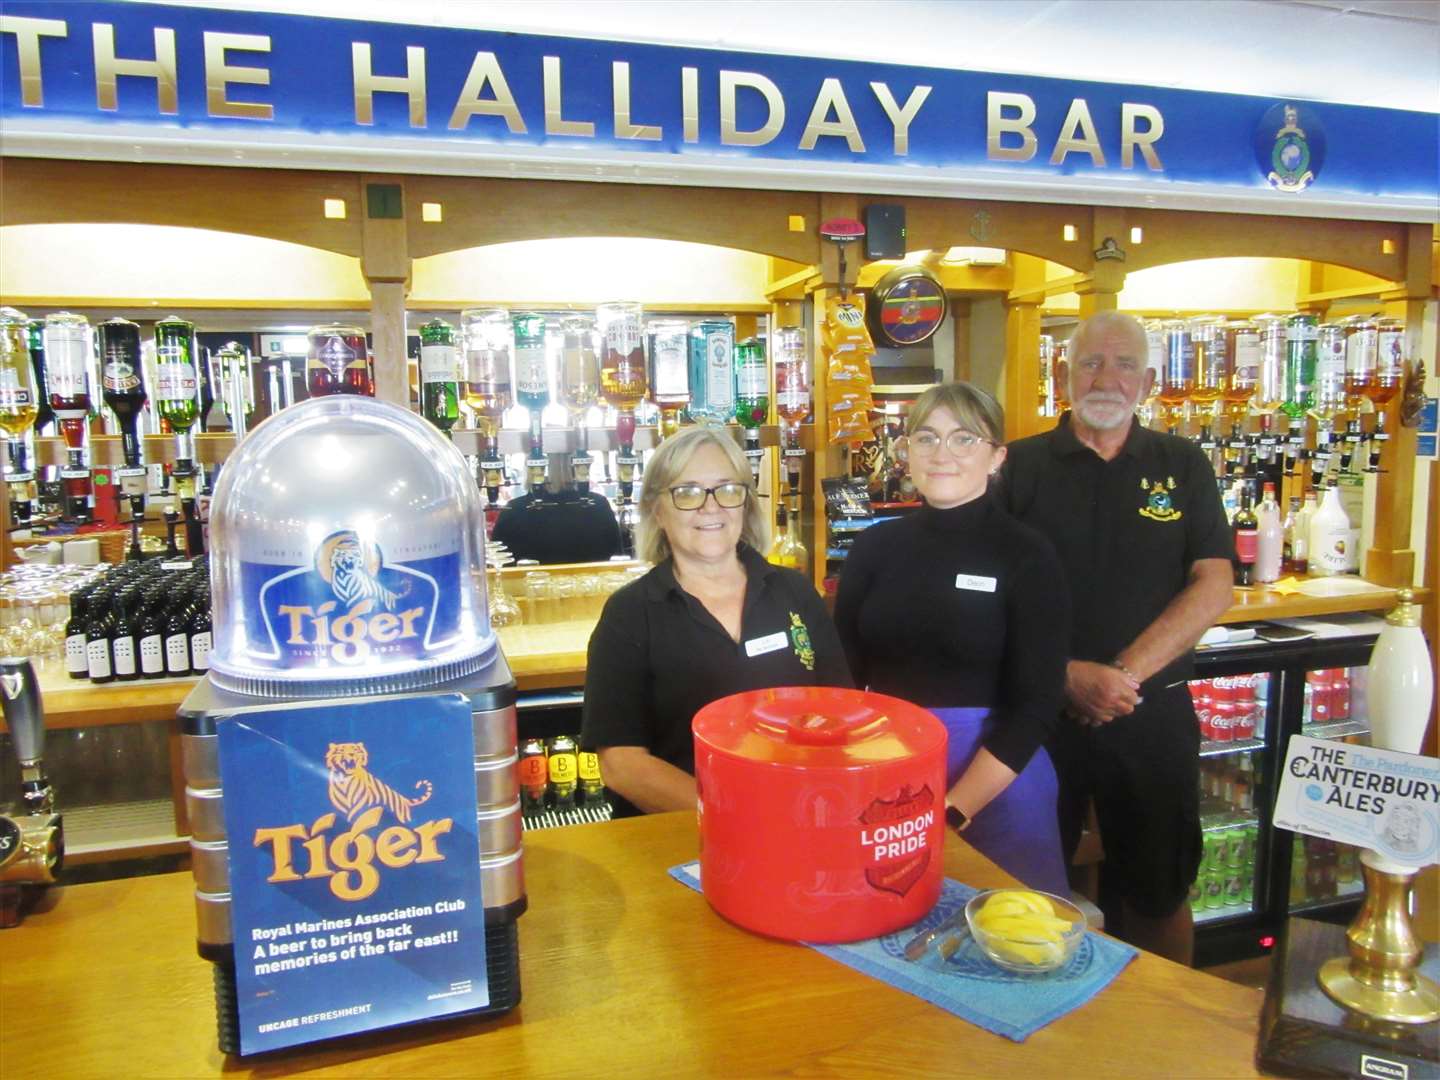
{"type": "Point", "coordinates": [945, 938]}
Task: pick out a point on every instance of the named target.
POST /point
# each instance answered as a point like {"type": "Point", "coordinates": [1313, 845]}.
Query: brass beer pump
{"type": "Point", "coordinates": [1378, 979]}
{"type": "Point", "coordinates": [32, 840]}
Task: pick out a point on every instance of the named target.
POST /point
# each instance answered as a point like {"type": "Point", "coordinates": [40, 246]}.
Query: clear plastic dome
{"type": "Point", "coordinates": [347, 556]}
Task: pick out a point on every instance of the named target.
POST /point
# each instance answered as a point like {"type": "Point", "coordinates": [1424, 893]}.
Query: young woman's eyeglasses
{"type": "Point", "coordinates": [927, 443]}
{"type": "Point", "coordinates": [728, 496]}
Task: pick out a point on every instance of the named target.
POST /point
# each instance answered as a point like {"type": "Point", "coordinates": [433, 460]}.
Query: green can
{"type": "Point", "coordinates": [1214, 890]}
{"type": "Point", "coordinates": [1214, 850]}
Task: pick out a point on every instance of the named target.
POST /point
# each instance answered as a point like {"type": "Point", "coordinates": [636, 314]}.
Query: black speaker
{"type": "Point", "coordinates": [884, 232]}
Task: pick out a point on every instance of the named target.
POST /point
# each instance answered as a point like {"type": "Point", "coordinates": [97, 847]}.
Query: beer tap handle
{"type": "Point", "coordinates": [24, 714]}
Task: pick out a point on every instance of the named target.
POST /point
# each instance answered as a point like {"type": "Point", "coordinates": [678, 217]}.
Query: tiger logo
{"type": "Point", "coordinates": [354, 789]}
{"type": "Point", "coordinates": [351, 567]}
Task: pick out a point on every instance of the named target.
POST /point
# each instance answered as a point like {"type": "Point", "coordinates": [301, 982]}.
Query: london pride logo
{"type": "Point", "coordinates": [347, 608]}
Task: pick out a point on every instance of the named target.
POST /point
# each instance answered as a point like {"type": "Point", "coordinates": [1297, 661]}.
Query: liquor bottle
{"type": "Point", "coordinates": [1301, 333]}
{"type": "Point", "coordinates": [752, 396]}
{"type": "Point", "coordinates": [1177, 380]}
{"type": "Point", "coordinates": [1270, 382]}
{"type": "Point", "coordinates": [669, 341]}
{"type": "Point", "coordinates": [200, 633]}
{"type": "Point", "coordinates": [792, 395]}
{"type": "Point", "coordinates": [98, 629]}
{"type": "Point", "coordinates": [1246, 539]}
{"type": "Point", "coordinates": [338, 362]}
{"type": "Point", "coordinates": [177, 634]}
{"type": "Point", "coordinates": [534, 776]}
{"type": "Point", "coordinates": [1330, 536]}
{"type": "Point", "coordinates": [237, 388]}
{"type": "Point", "coordinates": [1243, 362]}
{"type": "Point", "coordinates": [76, 664]}
{"type": "Point", "coordinates": [150, 633]}
{"type": "Point", "coordinates": [67, 350]}
{"type": "Point", "coordinates": [787, 550]}
{"type": "Point", "coordinates": [1062, 378]}
{"type": "Point", "coordinates": [18, 407]}
{"type": "Point", "coordinates": [622, 379]}
{"type": "Point", "coordinates": [1291, 536]}
{"type": "Point", "coordinates": [124, 389]}
{"type": "Point", "coordinates": [1154, 363]}
{"type": "Point", "coordinates": [1270, 541]}
{"type": "Point", "coordinates": [177, 382]}
{"type": "Point", "coordinates": [35, 339]}
{"type": "Point", "coordinates": [1386, 380]}
{"type": "Point", "coordinates": [488, 338]}
{"type": "Point", "coordinates": [563, 768]}
{"type": "Point", "coordinates": [532, 376]}
{"type": "Point", "coordinates": [1212, 366]}
{"type": "Point", "coordinates": [712, 370]}
{"type": "Point", "coordinates": [439, 375]}
{"type": "Point", "coordinates": [122, 641]}
{"type": "Point", "coordinates": [579, 386]}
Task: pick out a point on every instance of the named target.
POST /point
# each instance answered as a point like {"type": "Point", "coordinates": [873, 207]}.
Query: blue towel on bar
{"type": "Point", "coordinates": [969, 984]}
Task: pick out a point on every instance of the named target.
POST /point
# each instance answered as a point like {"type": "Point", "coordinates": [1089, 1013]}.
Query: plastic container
{"type": "Point", "coordinates": [821, 811]}
{"type": "Point", "coordinates": [347, 556]}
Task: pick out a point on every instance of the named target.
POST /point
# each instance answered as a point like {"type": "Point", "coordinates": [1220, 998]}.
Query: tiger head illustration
{"type": "Point", "coordinates": [353, 789]}
{"type": "Point", "coordinates": [351, 567]}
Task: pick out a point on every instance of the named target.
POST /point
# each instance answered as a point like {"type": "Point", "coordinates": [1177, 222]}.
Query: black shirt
{"type": "Point", "coordinates": [961, 607]}
{"type": "Point", "coordinates": [565, 526]}
{"type": "Point", "coordinates": [1127, 531]}
{"type": "Point", "coordinates": [657, 656]}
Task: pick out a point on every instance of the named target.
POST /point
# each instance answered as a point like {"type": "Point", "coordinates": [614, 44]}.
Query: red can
{"type": "Point", "coordinates": [1340, 694]}
{"type": "Point", "coordinates": [822, 811]}
{"type": "Point", "coordinates": [1320, 696]}
{"type": "Point", "coordinates": [1245, 707]}
{"type": "Point", "coordinates": [1222, 724]}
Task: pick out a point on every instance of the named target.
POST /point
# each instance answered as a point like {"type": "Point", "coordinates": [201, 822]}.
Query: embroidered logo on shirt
{"type": "Point", "coordinates": [800, 641]}
{"type": "Point", "coordinates": [1159, 506]}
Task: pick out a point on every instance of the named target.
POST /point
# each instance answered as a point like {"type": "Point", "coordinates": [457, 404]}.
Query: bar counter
{"type": "Point", "coordinates": [624, 973]}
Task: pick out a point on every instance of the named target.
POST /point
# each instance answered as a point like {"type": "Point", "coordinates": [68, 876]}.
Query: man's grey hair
{"type": "Point", "coordinates": [1101, 323]}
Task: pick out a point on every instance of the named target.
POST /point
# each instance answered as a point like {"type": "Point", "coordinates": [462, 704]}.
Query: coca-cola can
{"type": "Point", "coordinates": [1245, 720]}
{"type": "Point", "coordinates": [1222, 722]}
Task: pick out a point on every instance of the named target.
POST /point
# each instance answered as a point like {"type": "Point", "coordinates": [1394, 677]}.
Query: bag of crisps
{"type": "Point", "coordinates": [846, 346]}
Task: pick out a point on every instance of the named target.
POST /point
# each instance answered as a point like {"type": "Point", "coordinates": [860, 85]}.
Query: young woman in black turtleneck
{"type": "Point", "coordinates": [963, 610]}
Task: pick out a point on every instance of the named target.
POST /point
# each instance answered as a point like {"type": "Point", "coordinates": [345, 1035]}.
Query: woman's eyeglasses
{"type": "Point", "coordinates": [927, 443]}
{"type": "Point", "coordinates": [728, 496]}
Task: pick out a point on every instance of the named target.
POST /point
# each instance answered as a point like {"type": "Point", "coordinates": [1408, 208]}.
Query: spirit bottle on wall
{"type": "Point", "coordinates": [122, 381]}
{"type": "Point", "coordinates": [532, 385]}
{"type": "Point", "coordinates": [712, 371]}
{"type": "Point", "coordinates": [752, 397]}
{"type": "Point", "coordinates": [489, 339]}
{"type": "Point", "coordinates": [237, 390]}
{"type": "Point", "coordinates": [177, 384]}
{"type": "Point", "coordinates": [622, 379]}
{"type": "Point", "coordinates": [792, 395]}
{"type": "Point", "coordinates": [1384, 380]}
{"type": "Point", "coordinates": [35, 339]}
{"type": "Point", "coordinates": [579, 386]}
{"type": "Point", "coordinates": [669, 341]}
{"type": "Point", "coordinates": [1045, 389]}
{"type": "Point", "coordinates": [1177, 381]}
{"type": "Point", "coordinates": [18, 408]}
{"type": "Point", "coordinates": [338, 362]}
{"type": "Point", "coordinates": [1329, 393]}
{"type": "Point", "coordinates": [439, 375]}
{"type": "Point", "coordinates": [67, 358]}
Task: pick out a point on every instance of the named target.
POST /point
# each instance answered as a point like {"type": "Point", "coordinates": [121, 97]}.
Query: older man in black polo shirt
{"type": "Point", "coordinates": [1136, 518]}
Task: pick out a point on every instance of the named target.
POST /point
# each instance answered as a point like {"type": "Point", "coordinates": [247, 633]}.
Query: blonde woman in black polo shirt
{"type": "Point", "coordinates": [712, 618]}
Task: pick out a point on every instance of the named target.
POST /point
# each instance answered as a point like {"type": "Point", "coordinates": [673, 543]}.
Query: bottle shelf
{"type": "Point", "coordinates": [1339, 729]}
{"type": "Point", "coordinates": [1344, 891]}
{"type": "Point", "coordinates": [554, 819]}
{"type": "Point", "coordinates": [1242, 910]}
{"type": "Point", "coordinates": [1209, 748]}
{"type": "Point", "coordinates": [131, 829]}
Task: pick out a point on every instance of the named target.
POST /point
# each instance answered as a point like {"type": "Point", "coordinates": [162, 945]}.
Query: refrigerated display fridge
{"type": "Point", "coordinates": [1250, 698]}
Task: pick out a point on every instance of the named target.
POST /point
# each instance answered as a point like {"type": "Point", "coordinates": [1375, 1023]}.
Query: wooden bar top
{"type": "Point", "coordinates": [624, 973]}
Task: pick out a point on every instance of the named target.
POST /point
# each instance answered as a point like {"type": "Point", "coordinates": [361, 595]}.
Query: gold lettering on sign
{"type": "Point", "coordinates": [555, 122]}
{"type": "Point", "coordinates": [368, 84]}
{"type": "Point", "coordinates": [218, 74]}
{"type": "Point", "coordinates": [1132, 139]}
{"type": "Point", "coordinates": [109, 67]}
{"type": "Point", "coordinates": [624, 129]}
{"type": "Point", "coordinates": [486, 71]}
{"type": "Point", "coordinates": [900, 117]}
{"type": "Point", "coordinates": [730, 83]}
{"type": "Point", "coordinates": [28, 33]}
{"type": "Point", "coordinates": [998, 125]}
{"type": "Point", "coordinates": [831, 98]}
{"type": "Point", "coordinates": [690, 103]}
{"type": "Point", "coordinates": [1086, 142]}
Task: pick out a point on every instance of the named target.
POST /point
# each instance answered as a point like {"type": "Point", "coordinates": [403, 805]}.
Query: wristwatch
{"type": "Point", "coordinates": [956, 818]}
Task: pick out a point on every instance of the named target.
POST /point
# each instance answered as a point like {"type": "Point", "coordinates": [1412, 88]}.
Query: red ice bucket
{"type": "Point", "coordinates": [821, 811]}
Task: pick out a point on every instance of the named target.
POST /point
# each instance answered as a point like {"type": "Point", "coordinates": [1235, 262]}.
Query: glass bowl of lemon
{"type": "Point", "coordinates": [1025, 931]}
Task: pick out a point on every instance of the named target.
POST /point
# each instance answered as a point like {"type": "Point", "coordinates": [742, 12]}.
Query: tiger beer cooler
{"type": "Point", "coordinates": [1249, 700]}
{"type": "Point", "coordinates": [350, 759]}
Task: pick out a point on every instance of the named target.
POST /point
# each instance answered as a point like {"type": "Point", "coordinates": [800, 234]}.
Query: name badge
{"type": "Point", "coordinates": [769, 643]}
{"type": "Point", "coordinates": [974, 583]}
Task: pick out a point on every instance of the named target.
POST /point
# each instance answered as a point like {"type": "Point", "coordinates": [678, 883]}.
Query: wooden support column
{"type": "Point", "coordinates": [960, 329]}
{"type": "Point", "coordinates": [828, 460]}
{"type": "Point", "coordinates": [385, 262]}
{"type": "Point", "coordinates": [1390, 560]}
{"type": "Point", "coordinates": [1022, 349]}
{"type": "Point", "coordinates": [1100, 291]}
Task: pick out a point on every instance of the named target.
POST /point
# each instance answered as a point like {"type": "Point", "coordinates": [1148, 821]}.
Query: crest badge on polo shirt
{"type": "Point", "coordinates": [1159, 506]}
{"type": "Point", "coordinates": [800, 641]}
